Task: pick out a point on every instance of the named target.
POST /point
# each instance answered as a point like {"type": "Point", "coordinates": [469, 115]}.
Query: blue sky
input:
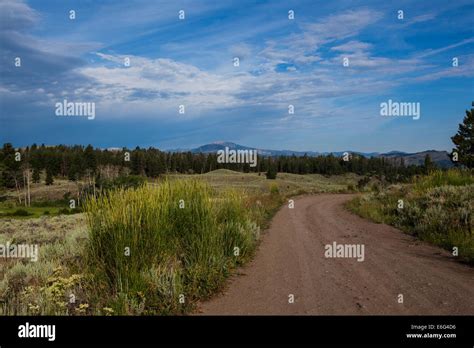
{"type": "Point", "coordinates": [190, 62]}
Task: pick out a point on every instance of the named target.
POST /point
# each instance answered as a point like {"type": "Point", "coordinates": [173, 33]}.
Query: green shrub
{"type": "Point", "coordinates": [274, 189]}
{"type": "Point", "coordinates": [442, 215]}
{"type": "Point", "coordinates": [20, 212]}
{"type": "Point", "coordinates": [271, 173]}
{"type": "Point", "coordinates": [64, 211]}
{"type": "Point", "coordinates": [128, 181]}
{"type": "Point", "coordinates": [362, 183]}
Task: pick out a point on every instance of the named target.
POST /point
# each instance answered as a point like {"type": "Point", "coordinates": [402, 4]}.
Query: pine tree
{"type": "Point", "coordinates": [272, 172]}
{"type": "Point", "coordinates": [10, 168]}
{"type": "Point", "coordinates": [429, 164]}
{"type": "Point", "coordinates": [36, 175]}
{"type": "Point", "coordinates": [90, 159]}
{"type": "Point", "coordinates": [464, 140]}
{"type": "Point", "coordinates": [49, 177]}
{"type": "Point", "coordinates": [138, 162]}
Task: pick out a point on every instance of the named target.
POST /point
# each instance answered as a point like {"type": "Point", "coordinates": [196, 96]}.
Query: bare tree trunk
{"type": "Point", "coordinates": [24, 187]}
{"type": "Point", "coordinates": [28, 185]}
{"type": "Point", "coordinates": [78, 193]}
{"type": "Point", "coordinates": [17, 189]}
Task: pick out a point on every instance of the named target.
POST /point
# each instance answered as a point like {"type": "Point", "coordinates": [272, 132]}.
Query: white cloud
{"type": "Point", "coordinates": [302, 47]}
{"type": "Point", "coordinates": [344, 25]}
{"type": "Point", "coordinates": [465, 69]}
{"type": "Point", "coordinates": [163, 83]}
{"type": "Point", "coordinates": [445, 48]}
{"type": "Point", "coordinates": [421, 18]}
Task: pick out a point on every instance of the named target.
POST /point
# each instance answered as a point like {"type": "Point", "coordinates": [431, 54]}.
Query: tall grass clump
{"type": "Point", "coordinates": [437, 178]}
{"type": "Point", "coordinates": [238, 230]}
{"type": "Point", "coordinates": [158, 248]}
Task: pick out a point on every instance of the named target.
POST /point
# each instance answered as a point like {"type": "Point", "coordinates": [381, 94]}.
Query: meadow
{"type": "Point", "coordinates": [158, 248]}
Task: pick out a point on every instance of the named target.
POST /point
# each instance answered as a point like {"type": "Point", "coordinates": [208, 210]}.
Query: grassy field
{"type": "Point", "coordinates": [177, 256]}
{"type": "Point", "coordinates": [438, 208]}
{"type": "Point", "coordinates": [54, 199]}
{"type": "Point", "coordinates": [287, 184]}
{"type": "Point", "coordinates": [45, 200]}
{"type": "Point", "coordinates": [43, 193]}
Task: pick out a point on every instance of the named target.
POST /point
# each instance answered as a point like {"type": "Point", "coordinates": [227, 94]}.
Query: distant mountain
{"type": "Point", "coordinates": [221, 145]}
{"type": "Point", "coordinates": [441, 158]}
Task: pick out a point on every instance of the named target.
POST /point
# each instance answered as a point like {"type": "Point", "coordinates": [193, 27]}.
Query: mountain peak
{"type": "Point", "coordinates": [224, 143]}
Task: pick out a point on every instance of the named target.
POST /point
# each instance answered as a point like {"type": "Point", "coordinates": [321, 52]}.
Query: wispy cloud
{"type": "Point", "coordinates": [432, 52]}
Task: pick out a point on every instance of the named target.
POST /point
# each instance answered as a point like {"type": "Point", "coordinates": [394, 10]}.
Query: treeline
{"type": "Point", "coordinates": [20, 166]}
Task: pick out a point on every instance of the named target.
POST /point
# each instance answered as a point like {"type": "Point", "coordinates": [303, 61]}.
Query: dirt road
{"type": "Point", "coordinates": [291, 261]}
